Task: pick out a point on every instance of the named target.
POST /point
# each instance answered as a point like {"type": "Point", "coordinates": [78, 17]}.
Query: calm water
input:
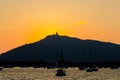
{"type": "Point", "coordinates": [49, 74]}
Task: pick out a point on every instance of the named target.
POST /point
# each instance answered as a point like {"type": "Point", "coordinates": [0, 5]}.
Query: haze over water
{"type": "Point", "coordinates": [26, 21]}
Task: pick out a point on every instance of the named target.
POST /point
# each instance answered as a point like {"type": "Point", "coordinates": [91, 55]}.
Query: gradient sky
{"type": "Point", "coordinates": [26, 21]}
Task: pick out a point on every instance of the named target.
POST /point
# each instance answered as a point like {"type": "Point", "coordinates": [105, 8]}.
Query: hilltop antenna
{"type": "Point", "coordinates": [56, 33]}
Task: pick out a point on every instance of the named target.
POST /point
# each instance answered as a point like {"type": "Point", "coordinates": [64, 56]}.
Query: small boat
{"type": "Point", "coordinates": [1, 68]}
{"type": "Point", "coordinates": [89, 70]}
{"type": "Point", "coordinates": [114, 67]}
{"type": "Point", "coordinates": [82, 68]}
{"type": "Point", "coordinates": [61, 72]}
{"type": "Point", "coordinates": [95, 69]}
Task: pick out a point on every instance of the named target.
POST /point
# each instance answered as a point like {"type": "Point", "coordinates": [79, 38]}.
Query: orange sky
{"type": "Point", "coordinates": [26, 21]}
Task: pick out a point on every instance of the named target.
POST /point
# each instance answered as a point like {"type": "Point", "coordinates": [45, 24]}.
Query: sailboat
{"type": "Point", "coordinates": [1, 68]}
{"type": "Point", "coordinates": [91, 67]}
{"type": "Point", "coordinates": [114, 67]}
{"type": "Point", "coordinates": [61, 71]}
{"type": "Point", "coordinates": [83, 67]}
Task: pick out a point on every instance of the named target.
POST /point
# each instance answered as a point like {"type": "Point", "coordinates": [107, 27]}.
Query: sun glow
{"type": "Point", "coordinates": [31, 20]}
{"type": "Point", "coordinates": [41, 30]}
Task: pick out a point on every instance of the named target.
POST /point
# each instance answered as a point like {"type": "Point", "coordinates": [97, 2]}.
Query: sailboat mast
{"type": "Point", "coordinates": [83, 58]}
{"type": "Point", "coordinates": [90, 53]}
{"type": "Point", "coordinates": [62, 57]}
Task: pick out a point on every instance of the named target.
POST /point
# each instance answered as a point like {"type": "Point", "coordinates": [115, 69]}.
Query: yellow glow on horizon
{"type": "Point", "coordinates": [41, 30]}
{"type": "Point", "coordinates": [26, 21]}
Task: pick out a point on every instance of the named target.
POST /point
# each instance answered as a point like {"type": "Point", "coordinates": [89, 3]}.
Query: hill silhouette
{"type": "Point", "coordinates": [74, 50]}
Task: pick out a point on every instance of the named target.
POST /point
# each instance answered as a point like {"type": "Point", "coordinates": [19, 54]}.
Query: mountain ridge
{"type": "Point", "coordinates": [74, 49]}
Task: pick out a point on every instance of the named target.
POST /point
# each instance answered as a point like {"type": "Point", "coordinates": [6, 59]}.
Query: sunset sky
{"type": "Point", "coordinates": [27, 21]}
